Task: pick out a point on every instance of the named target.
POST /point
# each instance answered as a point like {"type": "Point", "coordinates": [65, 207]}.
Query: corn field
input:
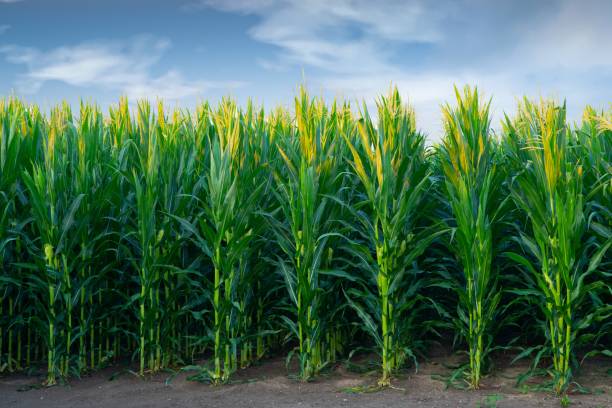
{"type": "Point", "coordinates": [208, 240]}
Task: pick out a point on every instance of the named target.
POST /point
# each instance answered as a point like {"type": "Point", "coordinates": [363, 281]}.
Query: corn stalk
{"type": "Point", "coordinates": [54, 205]}
{"type": "Point", "coordinates": [390, 163]}
{"type": "Point", "coordinates": [303, 222]}
{"type": "Point", "coordinates": [467, 162]}
{"type": "Point", "coordinates": [549, 189]}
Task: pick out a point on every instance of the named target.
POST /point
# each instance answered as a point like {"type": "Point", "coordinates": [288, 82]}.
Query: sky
{"type": "Point", "coordinates": [187, 51]}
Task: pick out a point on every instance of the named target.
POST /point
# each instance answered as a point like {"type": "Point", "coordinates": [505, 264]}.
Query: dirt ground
{"type": "Point", "coordinates": [270, 385]}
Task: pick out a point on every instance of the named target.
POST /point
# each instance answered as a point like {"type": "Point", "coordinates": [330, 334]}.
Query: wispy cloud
{"type": "Point", "coordinates": [4, 28]}
{"type": "Point", "coordinates": [360, 47]}
{"type": "Point", "coordinates": [10, 1]}
{"type": "Point", "coordinates": [123, 66]}
{"type": "Point", "coordinates": [343, 36]}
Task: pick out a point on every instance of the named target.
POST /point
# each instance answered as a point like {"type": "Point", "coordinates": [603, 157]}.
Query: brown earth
{"type": "Point", "coordinates": [270, 385]}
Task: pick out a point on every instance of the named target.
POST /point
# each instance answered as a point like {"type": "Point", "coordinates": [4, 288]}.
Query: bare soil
{"type": "Point", "coordinates": [270, 385]}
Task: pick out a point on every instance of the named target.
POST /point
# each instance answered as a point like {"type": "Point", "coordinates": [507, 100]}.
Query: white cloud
{"type": "Point", "coordinates": [391, 20]}
{"type": "Point", "coordinates": [342, 36]}
{"type": "Point", "coordinates": [10, 1]}
{"type": "Point", "coordinates": [124, 66]}
{"type": "Point", "coordinates": [360, 47]}
{"type": "Point", "coordinates": [358, 36]}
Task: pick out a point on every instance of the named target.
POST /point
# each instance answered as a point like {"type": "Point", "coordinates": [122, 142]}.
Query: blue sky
{"type": "Point", "coordinates": [185, 51]}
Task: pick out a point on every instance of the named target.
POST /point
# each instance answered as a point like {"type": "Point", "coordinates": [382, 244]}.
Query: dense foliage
{"type": "Point", "coordinates": [227, 234]}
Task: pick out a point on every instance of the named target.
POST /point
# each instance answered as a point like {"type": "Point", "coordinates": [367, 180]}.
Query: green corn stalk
{"type": "Point", "coordinates": [227, 195]}
{"type": "Point", "coordinates": [593, 149]}
{"type": "Point", "coordinates": [472, 186]}
{"type": "Point", "coordinates": [304, 221]}
{"type": "Point", "coordinates": [93, 178]}
{"type": "Point", "coordinates": [53, 206]}
{"type": "Point", "coordinates": [256, 182]}
{"type": "Point", "coordinates": [178, 174]}
{"type": "Point", "coordinates": [136, 143]}
{"type": "Point", "coordinates": [12, 155]}
{"type": "Point", "coordinates": [90, 125]}
{"type": "Point", "coordinates": [145, 182]}
{"type": "Point", "coordinates": [549, 189]}
{"type": "Point", "coordinates": [390, 163]}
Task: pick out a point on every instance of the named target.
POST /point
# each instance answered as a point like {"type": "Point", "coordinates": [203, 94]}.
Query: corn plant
{"type": "Point", "coordinates": [224, 228]}
{"type": "Point", "coordinates": [390, 163]}
{"type": "Point", "coordinates": [20, 130]}
{"type": "Point", "coordinates": [54, 204]}
{"type": "Point", "coordinates": [141, 176]}
{"type": "Point", "coordinates": [593, 149]}
{"type": "Point", "coordinates": [304, 222]}
{"type": "Point", "coordinates": [467, 163]}
{"type": "Point", "coordinates": [92, 180]}
{"type": "Point", "coordinates": [561, 263]}
{"type": "Point", "coordinates": [254, 285]}
{"type": "Point", "coordinates": [177, 176]}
